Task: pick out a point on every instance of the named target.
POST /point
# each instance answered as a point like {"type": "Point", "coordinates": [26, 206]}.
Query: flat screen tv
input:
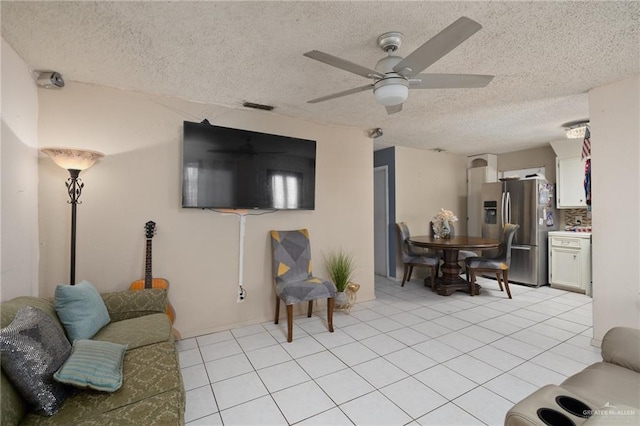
{"type": "Point", "coordinates": [224, 168]}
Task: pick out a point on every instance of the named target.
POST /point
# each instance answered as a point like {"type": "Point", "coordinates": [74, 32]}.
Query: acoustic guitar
{"type": "Point", "coordinates": [148, 281]}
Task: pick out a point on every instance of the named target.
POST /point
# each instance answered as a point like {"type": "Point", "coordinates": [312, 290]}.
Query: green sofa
{"type": "Point", "coordinates": [152, 392]}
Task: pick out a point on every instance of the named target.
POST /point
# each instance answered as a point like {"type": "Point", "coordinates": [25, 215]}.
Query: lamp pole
{"type": "Point", "coordinates": [74, 188]}
{"type": "Point", "coordinates": [74, 161]}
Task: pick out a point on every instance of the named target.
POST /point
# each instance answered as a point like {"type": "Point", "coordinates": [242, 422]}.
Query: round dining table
{"type": "Point", "coordinates": [450, 281]}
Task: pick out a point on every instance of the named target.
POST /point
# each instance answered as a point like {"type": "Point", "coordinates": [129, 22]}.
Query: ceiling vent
{"type": "Point", "coordinates": [257, 106]}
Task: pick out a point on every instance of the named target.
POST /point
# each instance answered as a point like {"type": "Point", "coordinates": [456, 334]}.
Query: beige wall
{"type": "Point", "coordinates": [427, 181]}
{"type": "Point", "coordinates": [19, 176]}
{"type": "Point", "coordinates": [196, 251]}
{"type": "Point", "coordinates": [614, 112]}
{"type": "Point", "coordinates": [528, 159]}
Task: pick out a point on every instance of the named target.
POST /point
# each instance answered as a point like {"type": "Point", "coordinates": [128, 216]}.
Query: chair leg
{"type": "Point", "coordinates": [330, 313]}
{"type": "Point", "coordinates": [410, 272]}
{"type": "Point", "coordinates": [499, 281]}
{"type": "Point", "coordinates": [277, 309]}
{"type": "Point", "coordinates": [505, 276]}
{"type": "Point", "coordinates": [472, 283]}
{"type": "Point", "coordinates": [289, 323]}
{"type": "Point", "coordinates": [310, 309]}
{"type": "Point", "coordinates": [433, 278]}
{"type": "Point", "coordinates": [404, 274]}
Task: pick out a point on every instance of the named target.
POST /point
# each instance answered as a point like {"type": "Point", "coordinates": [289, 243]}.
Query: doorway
{"type": "Point", "coordinates": [381, 220]}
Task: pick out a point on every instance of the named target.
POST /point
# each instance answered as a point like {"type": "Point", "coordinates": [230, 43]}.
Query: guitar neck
{"type": "Point", "coordinates": [148, 278]}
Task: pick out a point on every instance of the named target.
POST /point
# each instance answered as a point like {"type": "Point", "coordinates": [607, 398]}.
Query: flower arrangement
{"type": "Point", "coordinates": [441, 223]}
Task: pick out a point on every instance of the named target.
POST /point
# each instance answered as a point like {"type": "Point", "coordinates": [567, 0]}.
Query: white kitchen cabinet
{"type": "Point", "coordinates": [570, 183]}
{"type": "Point", "coordinates": [570, 261]}
{"type": "Point", "coordinates": [480, 169]}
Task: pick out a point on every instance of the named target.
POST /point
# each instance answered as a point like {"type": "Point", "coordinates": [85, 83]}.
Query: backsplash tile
{"type": "Point", "coordinates": [569, 216]}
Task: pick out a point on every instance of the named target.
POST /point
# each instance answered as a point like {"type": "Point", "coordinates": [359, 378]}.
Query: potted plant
{"type": "Point", "coordinates": [340, 267]}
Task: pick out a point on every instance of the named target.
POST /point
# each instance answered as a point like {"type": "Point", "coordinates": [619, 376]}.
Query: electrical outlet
{"type": "Point", "coordinates": [242, 295]}
{"type": "Point", "coordinates": [579, 220]}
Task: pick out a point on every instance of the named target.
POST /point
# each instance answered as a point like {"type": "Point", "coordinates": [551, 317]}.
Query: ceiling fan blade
{"type": "Point", "coordinates": [438, 46]}
{"type": "Point", "coordinates": [449, 81]}
{"type": "Point", "coordinates": [340, 94]}
{"type": "Point", "coordinates": [334, 61]}
{"type": "Point", "coordinates": [392, 109]}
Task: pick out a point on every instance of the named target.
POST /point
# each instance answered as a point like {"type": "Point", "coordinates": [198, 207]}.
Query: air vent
{"type": "Point", "coordinates": [257, 106]}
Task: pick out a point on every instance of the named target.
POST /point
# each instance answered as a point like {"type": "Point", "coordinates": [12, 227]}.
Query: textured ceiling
{"type": "Point", "coordinates": [545, 56]}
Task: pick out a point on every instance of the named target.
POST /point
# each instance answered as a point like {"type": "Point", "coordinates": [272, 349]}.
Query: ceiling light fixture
{"type": "Point", "coordinates": [375, 133]}
{"type": "Point", "coordinates": [391, 91]}
{"type": "Point", "coordinates": [577, 130]}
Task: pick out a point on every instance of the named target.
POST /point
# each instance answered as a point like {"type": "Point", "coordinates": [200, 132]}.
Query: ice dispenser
{"type": "Point", "coordinates": [490, 212]}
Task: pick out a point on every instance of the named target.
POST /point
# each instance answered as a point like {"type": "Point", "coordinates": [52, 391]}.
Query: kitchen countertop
{"type": "Point", "coordinates": [576, 234]}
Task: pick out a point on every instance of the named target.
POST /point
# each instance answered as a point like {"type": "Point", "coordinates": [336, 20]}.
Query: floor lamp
{"type": "Point", "coordinates": [74, 160]}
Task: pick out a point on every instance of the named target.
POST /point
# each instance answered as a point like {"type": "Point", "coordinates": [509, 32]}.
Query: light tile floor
{"type": "Point", "coordinates": [408, 357]}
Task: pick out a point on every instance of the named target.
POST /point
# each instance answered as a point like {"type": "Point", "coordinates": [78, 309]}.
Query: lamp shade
{"type": "Point", "coordinates": [73, 159]}
{"type": "Point", "coordinates": [391, 94]}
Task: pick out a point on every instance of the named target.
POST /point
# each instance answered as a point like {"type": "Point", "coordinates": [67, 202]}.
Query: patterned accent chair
{"type": "Point", "coordinates": [293, 276]}
{"type": "Point", "coordinates": [411, 257]}
{"type": "Point", "coordinates": [499, 264]}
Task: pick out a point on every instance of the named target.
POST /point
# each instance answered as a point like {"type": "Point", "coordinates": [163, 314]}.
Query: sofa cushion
{"type": "Point", "coordinates": [603, 383]}
{"type": "Point", "coordinates": [137, 332]}
{"type": "Point", "coordinates": [525, 412]}
{"type": "Point", "coordinates": [123, 305]}
{"type": "Point", "coordinates": [33, 347]}
{"type": "Point", "coordinates": [165, 409]}
{"type": "Point", "coordinates": [151, 371]}
{"type": "Point", "coordinates": [11, 307]}
{"type": "Point", "coordinates": [93, 364]}
{"type": "Point", "coordinates": [80, 309]}
{"type": "Point", "coordinates": [621, 346]}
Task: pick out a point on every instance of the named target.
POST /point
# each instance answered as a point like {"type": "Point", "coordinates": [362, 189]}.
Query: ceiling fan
{"type": "Point", "coordinates": [393, 76]}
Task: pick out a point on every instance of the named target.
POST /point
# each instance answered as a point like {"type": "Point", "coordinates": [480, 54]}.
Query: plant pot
{"type": "Point", "coordinates": [341, 298]}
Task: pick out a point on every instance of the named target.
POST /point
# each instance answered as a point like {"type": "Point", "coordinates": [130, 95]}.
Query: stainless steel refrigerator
{"type": "Point", "coordinates": [529, 203]}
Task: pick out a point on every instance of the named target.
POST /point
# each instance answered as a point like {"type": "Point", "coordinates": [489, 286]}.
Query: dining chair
{"type": "Point", "coordinates": [498, 264]}
{"type": "Point", "coordinates": [293, 276]}
{"type": "Point", "coordinates": [412, 258]}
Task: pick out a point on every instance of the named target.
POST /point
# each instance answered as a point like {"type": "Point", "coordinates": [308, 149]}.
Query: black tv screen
{"type": "Point", "coordinates": [224, 168]}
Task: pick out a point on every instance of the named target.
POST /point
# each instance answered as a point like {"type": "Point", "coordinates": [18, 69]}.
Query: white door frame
{"type": "Point", "coordinates": [385, 171]}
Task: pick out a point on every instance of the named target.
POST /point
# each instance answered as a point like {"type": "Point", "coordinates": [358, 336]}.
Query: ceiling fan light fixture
{"type": "Point", "coordinates": [391, 94]}
{"type": "Point", "coordinates": [577, 131]}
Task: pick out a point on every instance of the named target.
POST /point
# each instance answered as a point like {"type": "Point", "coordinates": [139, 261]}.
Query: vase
{"type": "Point", "coordinates": [446, 229]}
{"type": "Point", "coordinates": [341, 298]}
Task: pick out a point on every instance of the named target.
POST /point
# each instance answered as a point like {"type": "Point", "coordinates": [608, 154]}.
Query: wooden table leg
{"type": "Point", "coordinates": [450, 282]}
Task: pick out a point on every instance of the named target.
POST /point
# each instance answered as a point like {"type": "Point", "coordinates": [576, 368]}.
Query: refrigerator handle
{"type": "Point", "coordinates": [502, 211]}
{"type": "Point", "coordinates": [509, 207]}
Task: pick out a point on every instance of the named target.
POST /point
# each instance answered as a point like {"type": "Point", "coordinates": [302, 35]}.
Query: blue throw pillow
{"type": "Point", "coordinates": [80, 309]}
{"type": "Point", "coordinates": [93, 364]}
